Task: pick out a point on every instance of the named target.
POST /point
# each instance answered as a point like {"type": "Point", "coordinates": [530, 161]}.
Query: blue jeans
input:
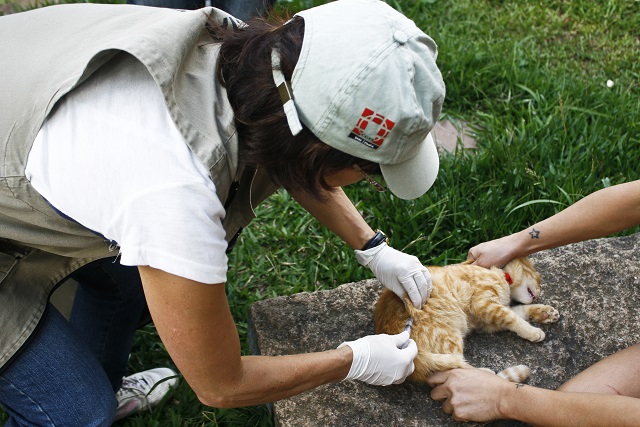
{"type": "Point", "coordinates": [67, 373]}
{"type": "Point", "coordinates": [108, 308]}
{"type": "Point", "coordinates": [56, 381]}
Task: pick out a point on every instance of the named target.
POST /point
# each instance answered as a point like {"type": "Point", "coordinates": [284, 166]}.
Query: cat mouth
{"type": "Point", "coordinates": [531, 294]}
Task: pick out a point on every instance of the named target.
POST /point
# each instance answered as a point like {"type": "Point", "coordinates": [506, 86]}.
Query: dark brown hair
{"type": "Point", "coordinates": [298, 162]}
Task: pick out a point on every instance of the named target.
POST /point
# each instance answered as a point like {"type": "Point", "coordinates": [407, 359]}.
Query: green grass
{"type": "Point", "coordinates": [530, 78]}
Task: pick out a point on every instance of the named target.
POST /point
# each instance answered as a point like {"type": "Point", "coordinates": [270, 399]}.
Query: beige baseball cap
{"type": "Point", "coordinates": [367, 84]}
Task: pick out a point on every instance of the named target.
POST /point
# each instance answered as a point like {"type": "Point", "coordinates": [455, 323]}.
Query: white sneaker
{"type": "Point", "coordinates": [139, 391]}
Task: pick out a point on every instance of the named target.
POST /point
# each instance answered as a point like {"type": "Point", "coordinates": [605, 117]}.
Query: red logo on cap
{"type": "Point", "coordinates": [384, 126]}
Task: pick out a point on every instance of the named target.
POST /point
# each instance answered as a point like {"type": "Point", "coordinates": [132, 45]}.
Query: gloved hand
{"type": "Point", "coordinates": [399, 272]}
{"type": "Point", "coordinates": [380, 360]}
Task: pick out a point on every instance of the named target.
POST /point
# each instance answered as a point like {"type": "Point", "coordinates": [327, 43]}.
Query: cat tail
{"type": "Point", "coordinates": [515, 374]}
{"type": "Point", "coordinates": [429, 363]}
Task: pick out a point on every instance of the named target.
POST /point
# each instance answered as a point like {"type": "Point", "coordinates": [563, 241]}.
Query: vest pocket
{"type": "Point", "coordinates": [9, 257]}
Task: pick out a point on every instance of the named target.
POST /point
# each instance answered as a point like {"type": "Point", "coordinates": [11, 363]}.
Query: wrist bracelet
{"type": "Point", "coordinates": [376, 240]}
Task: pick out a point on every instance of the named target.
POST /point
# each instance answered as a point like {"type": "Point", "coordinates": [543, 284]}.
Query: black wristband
{"type": "Point", "coordinates": [375, 240]}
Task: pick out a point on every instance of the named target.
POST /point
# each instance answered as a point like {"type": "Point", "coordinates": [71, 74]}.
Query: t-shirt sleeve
{"type": "Point", "coordinates": [177, 229]}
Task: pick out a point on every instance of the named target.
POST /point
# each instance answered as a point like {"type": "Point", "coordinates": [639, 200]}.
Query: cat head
{"type": "Point", "coordinates": [526, 280]}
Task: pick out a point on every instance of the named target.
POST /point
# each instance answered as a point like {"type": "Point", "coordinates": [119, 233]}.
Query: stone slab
{"type": "Point", "coordinates": [447, 134]}
{"type": "Point", "coordinates": [595, 285]}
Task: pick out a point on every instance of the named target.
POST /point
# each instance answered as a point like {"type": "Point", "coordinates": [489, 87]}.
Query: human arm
{"type": "Point", "coordinates": [338, 214]}
{"type": "Point", "coordinates": [396, 270]}
{"type": "Point", "coordinates": [195, 324]}
{"type": "Point", "coordinates": [599, 214]}
{"type": "Point", "coordinates": [475, 395]}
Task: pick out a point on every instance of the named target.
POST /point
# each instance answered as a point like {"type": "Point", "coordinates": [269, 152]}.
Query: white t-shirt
{"type": "Point", "coordinates": [111, 158]}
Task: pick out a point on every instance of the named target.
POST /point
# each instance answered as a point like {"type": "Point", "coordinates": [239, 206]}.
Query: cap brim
{"type": "Point", "coordinates": [412, 178]}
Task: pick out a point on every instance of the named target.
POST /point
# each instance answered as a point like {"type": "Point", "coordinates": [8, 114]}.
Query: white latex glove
{"type": "Point", "coordinates": [398, 272]}
{"type": "Point", "coordinates": [380, 360]}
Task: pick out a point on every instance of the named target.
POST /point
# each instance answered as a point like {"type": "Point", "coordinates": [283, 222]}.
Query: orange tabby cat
{"type": "Point", "coordinates": [467, 297]}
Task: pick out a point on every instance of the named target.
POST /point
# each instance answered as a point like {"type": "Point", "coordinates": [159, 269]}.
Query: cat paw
{"type": "Point", "coordinates": [536, 335]}
{"type": "Point", "coordinates": [543, 314]}
{"type": "Point", "coordinates": [515, 374]}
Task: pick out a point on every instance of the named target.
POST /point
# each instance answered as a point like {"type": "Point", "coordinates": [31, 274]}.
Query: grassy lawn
{"type": "Point", "coordinates": [530, 77]}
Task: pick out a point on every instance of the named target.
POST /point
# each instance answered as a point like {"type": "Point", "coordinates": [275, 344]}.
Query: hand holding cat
{"type": "Point", "coordinates": [496, 252]}
{"type": "Point", "coordinates": [469, 394]}
{"type": "Point", "coordinates": [399, 272]}
{"type": "Point", "coordinates": [599, 214]}
{"type": "Point", "coordinates": [381, 360]}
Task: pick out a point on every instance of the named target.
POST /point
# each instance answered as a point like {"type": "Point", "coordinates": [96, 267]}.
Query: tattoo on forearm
{"type": "Point", "coordinates": [518, 385]}
{"type": "Point", "coordinates": [535, 234]}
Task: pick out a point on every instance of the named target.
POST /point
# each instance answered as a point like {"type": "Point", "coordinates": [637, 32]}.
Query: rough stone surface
{"type": "Point", "coordinates": [595, 285]}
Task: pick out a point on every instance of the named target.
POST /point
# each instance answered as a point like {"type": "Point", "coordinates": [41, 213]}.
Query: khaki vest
{"type": "Point", "coordinates": [45, 54]}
